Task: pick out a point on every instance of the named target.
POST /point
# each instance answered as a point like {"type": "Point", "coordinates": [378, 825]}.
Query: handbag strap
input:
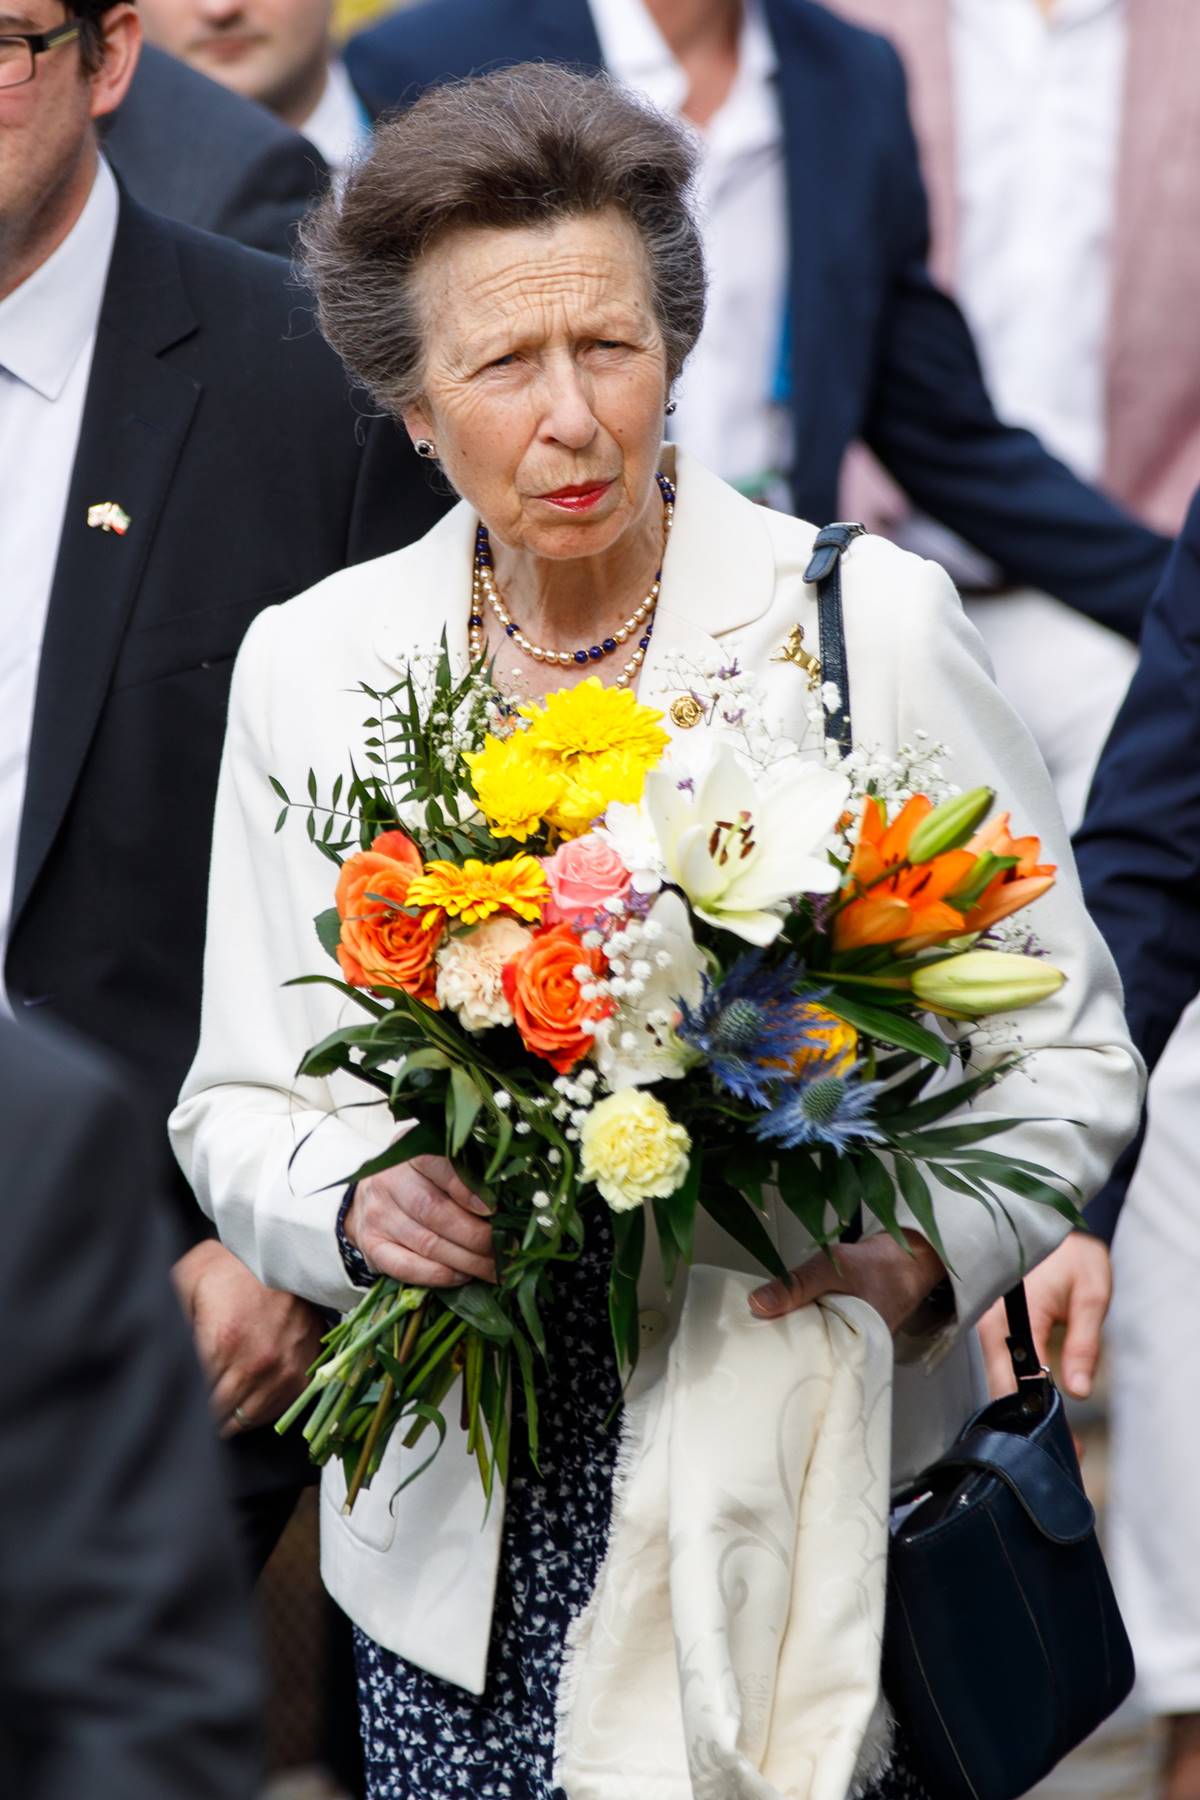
{"type": "Point", "coordinates": [825, 570]}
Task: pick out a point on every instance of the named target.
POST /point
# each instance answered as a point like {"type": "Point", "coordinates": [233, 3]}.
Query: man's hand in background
{"type": "Point", "coordinates": [256, 1344]}
{"type": "Point", "coordinates": [1072, 1287]}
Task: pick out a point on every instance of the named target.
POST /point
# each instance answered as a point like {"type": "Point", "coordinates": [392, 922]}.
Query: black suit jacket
{"type": "Point", "coordinates": [222, 423]}
{"type": "Point", "coordinates": [1139, 844]}
{"type": "Point", "coordinates": [127, 1664]}
{"type": "Point", "coordinates": [877, 352]}
{"type": "Point", "coordinates": [188, 148]}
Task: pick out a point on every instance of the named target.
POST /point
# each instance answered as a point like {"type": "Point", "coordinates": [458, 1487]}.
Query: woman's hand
{"type": "Point", "coordinates": [421, 1224]}
{"type": "Point", "coordinates": [876, 1269]}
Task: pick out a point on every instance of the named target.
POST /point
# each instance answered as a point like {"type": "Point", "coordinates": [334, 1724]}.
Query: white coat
{"type": "Point", "coordinates": [269, 1156]}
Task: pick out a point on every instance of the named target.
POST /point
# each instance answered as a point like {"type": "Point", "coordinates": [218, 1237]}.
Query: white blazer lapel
{"type": "Point", "coordinates": [432, 595]}
{"type": "Point", "coordinates": [719, 577]}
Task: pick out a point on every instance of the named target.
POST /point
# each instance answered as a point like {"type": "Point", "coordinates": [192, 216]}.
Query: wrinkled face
{"type": "Point", "coordinates": [544, 380]}
{"type": "Point", "coordinates": [271, 51]}
{"type": "Point", "coordinates": [45, 124]}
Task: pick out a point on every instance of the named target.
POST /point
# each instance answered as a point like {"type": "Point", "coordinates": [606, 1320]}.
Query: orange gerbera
{"type": "Point", "coordinates": [897, 903]}
{"type": "Point", "coordinates": [1012, 888]}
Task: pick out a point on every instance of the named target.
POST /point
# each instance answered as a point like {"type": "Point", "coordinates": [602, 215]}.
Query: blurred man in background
{"type": "Point", "coordinates": [127, 1663]}
{"type": "Point", "coordinates": [186, 147]}
{"type": "Point", "coordinates": [1067, 219]}
{"type": "Point", "coordinates": [278, 52]}
{"type": "Point", "coordinates": [178, 449]}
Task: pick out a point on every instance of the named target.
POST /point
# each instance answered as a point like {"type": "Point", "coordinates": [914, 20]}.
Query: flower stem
{"type": "Point", "coordinates": [403, 1350]}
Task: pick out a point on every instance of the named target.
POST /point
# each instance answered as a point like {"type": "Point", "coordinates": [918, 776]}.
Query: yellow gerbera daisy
{"type": "Point", "coordinates": [514, 784]}
{"type": "Point", "coordinates": [475, 891]}
{"type": "Point", "coordinates": [593, 720]}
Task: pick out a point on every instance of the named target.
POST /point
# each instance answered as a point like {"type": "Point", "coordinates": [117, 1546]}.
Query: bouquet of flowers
{"type": "Point", "coordinates": [593, 971]}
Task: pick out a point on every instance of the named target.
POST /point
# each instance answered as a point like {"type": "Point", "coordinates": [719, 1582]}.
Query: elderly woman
{"type": "Point", "coordinates": [515, 274]}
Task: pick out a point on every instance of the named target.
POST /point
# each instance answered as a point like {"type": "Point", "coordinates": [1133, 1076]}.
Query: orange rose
{"type": "Point", "coordinates": [382, 945]}
{"type": "Point", "coordinates": [547, 1004]}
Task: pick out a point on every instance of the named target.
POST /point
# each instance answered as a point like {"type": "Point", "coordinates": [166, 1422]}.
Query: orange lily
{"type": "Point", "coordinates": [897, 903]}
{"type": "Point", "coordinates": [1012, 888]}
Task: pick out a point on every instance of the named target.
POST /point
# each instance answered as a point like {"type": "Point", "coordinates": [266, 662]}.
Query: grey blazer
{"type": "Point", "coordinates": [185, 146]}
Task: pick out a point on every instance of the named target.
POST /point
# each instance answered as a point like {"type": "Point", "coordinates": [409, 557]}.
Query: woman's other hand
{"type": "Point", "coordinates": [421, 1224]}
{"type": "Point", "coordinates": [876, 1269]}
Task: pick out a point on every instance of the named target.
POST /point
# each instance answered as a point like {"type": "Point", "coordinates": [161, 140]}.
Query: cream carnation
{"type": "Point", "coordinates": [633, 1149]}
{"type": "Point", "coordinates": [470, 972]}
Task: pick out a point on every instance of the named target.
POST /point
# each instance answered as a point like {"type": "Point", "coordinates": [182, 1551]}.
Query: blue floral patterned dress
{"type": "Point", "coordinates": [425, 1739]}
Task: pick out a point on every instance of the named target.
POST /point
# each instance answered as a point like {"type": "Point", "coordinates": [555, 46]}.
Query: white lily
{"type": "Point", "coordinates": [742, 846]}
{"type": "Point", "coordinates": [642, 1045]}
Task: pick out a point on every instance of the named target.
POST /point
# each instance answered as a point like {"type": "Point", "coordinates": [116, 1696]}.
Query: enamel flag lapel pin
{"type": "Point", "coordinates": [106, 515]}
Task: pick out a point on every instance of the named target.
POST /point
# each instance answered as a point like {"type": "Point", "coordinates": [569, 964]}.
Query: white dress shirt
{"type": "Point", "coordinates": [47, 336]}
{"type": "Point", "coordinates": [1038, 107]}
{"type": "Point", "coordinates": [338, 125]}
{"type": "Point", "coordinates": [729, 414]}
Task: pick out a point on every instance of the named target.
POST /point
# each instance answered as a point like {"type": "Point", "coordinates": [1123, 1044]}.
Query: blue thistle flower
{"type": "Point", "coordinates": [835, 1111]}
{"type": "Point", "coordinates": [748, 1021]}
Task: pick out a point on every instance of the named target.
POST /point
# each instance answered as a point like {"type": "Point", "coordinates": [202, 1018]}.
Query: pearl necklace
{"type": "Point", "coordinates": [484, 592]}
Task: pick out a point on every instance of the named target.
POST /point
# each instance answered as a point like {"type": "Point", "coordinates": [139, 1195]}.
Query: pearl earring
{"type": "Point", "coordinates": [425, 448]}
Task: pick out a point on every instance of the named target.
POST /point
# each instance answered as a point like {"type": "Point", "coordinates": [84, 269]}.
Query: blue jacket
{"type": "Point", "coordinates": [878, 352]}
{"type": "Point", "coordinates": [1139, 846]}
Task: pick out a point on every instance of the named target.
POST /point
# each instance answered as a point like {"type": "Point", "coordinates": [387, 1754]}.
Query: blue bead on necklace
{"type": "Point", "coordinates": [638, 626]}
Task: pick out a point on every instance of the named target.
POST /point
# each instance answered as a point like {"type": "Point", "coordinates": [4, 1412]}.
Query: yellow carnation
{"type": "Point", "coordinates": [633, 1149]}
{"type": "Point", "coordinates": [478, 889]}
{"type": "Point", "coordinates": [514, 784]}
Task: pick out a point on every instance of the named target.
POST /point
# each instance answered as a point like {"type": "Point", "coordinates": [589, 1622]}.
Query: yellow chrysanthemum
{"type": "Point", "coordinates": [475, 891]}
{"type": "Point", "coordinates": [591, 720]}
{"type": "Point", "coordinates": [834, 1044]}
{"type": "Point", "coordinates": [514, 784]}
{"type": "Point", "coordinates": [590, 785]}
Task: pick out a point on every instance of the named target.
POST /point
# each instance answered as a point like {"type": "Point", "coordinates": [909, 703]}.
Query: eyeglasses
{"type": "Point", "coordinates": [18, 54]}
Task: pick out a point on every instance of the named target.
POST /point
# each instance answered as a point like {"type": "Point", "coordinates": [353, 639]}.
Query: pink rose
{"type": "Point", "coordinates": [583, 874]}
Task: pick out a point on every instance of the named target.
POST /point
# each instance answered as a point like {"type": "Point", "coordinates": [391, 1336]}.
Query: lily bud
{"type": "Point", "coordinates": [985, 981]}
{"type": "Point", "coordinates": [949, 825]}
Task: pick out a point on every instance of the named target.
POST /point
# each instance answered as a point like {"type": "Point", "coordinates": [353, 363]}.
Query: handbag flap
{"type": "Point", "coordinates": [1053, 1500]}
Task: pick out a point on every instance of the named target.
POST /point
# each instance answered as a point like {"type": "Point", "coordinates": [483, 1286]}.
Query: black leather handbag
{"type": "Point", "coordinates": [1003, 1644]}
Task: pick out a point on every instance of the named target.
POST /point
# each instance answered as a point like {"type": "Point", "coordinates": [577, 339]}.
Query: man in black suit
{"type": "Point", "coordinates": [127, 1664]}
{"type": "Point", "coordinates": [186, 147]}
{"type": "Point", "coordinates": [861, 344]}
{"type": "Point", "coordinates": [179, 449]}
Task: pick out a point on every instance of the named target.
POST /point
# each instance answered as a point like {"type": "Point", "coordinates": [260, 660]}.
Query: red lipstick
{"type": "Point", "coordinates": [578, 498]}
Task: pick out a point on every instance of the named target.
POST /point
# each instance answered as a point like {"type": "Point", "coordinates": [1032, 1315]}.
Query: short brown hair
{"type": "Point", "coordinates": [91, 14]}
{"type": "Point", "coordinates": [524, 147]}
